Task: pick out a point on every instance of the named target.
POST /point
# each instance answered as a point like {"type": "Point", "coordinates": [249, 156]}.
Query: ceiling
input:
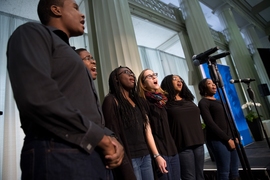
{"type": "Point", "coordinates": [244, 12]}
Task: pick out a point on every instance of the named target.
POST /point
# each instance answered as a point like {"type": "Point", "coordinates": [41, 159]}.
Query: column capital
{"type": "Point", "coordinates": [222, 7]}
{"type": "Point", "coordinates": [250, 25]}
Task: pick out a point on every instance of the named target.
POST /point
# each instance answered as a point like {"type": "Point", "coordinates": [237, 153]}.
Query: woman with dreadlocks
{"type": "Point", "coordinates": [185, 126]}
{"type": "Point", "coordinates": [125, 114]}
{"type": "Point", "coordinates": [166, 161]}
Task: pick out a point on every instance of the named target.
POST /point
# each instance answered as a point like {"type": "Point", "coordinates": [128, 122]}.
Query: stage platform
{"type": "Point", "coordinates": [258, 154]}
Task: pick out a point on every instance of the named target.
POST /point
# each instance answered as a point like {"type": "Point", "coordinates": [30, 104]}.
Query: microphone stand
{"type": "Point", "coordinates": [216, 77]}
{"type": "Point", "coordinates": [251, 96]}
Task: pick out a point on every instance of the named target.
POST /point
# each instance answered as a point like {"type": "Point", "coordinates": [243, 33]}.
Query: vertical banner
{"type": "Point", "coordinates": [233, 101]}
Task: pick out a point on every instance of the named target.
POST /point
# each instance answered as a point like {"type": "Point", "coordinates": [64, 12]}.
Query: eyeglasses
{"type": "Point", "coordinates": [150, 76]}
{"type": "Point", "coordinates": [88, 58]}
{"type": "Point", "coordinates": [177, 79]}
{"type": "Point", "coordinates": [127, 72]}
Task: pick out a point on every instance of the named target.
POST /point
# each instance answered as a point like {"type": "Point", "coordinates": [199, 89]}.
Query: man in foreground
{"type": "Point", "coordinates": [59, 110]}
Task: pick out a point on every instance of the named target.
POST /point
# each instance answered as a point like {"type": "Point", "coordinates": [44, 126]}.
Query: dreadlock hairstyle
{"type": "Point", "coordinates": [126, 110]}
{"type": "Point", "coordinates": [167, 86]}
{"type": "Point", "coordinates": [203, 87]}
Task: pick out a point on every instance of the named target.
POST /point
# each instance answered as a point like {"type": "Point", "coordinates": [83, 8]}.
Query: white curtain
{"type": "Point", "coordinates": [165, 64]}
{"type": "Point", "coordinates": [11, 135]}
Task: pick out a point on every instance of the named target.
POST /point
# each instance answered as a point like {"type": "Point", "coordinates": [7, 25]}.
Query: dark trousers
{"type": "Point", "coordinates": [54, 160]}
{"type": "Point", "coordinates": [192, 161]}
{"type": "Point", "coordinates": [227, 161]}
{"type": "Point", "coordinates": [173, 166]}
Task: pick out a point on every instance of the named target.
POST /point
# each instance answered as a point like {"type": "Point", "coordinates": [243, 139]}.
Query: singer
{"type": "Point", "coordinates": [60, 113]}
{"type": "Point", "coordinates": [219, 137]}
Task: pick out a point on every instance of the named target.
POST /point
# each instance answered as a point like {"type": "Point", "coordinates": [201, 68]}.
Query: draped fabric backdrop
{"type": "Point", "coordinates": [11, 135]}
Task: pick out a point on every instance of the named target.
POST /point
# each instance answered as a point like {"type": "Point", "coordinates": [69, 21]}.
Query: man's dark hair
{"type": "Point", "coordinates": [128, 114]}
{"type": "Point", "coordinates": [80, 50]}
{"type": "Point", "coordinates": [167, 86]}
{"type": "Point", "coordinates": [44, 9]}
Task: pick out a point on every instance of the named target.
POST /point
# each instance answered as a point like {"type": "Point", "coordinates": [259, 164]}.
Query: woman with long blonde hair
{"type": "Point", "coordinates": [166, 161]}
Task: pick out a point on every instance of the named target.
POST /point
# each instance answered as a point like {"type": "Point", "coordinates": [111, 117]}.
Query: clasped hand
{"type": "Point", "coordinates": [113, 151]}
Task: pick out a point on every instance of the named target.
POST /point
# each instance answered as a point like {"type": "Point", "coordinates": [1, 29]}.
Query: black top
{"type": "Point", "coordinates": [161, 130]}
{"type": "Point", "coordinates": [214, 117]}
{"type": "Point", "coordinates": [53, 90]}
{"type": "Point", "coordinates": [185, 124]}
{"type": "Point", "coordinates": [133, 137]}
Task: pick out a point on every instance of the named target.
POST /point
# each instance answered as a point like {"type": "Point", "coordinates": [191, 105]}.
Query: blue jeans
{"type": "Point", "coordinates": [54, 160]}
{"type": "Point", "coordinates": [227, 161]}
{"type": "Point", "coordinates": [173, 166]}
{"type": "Point", "coordinates": [192, 161]}
{"type": "Point", "coordinates": [143, 168]}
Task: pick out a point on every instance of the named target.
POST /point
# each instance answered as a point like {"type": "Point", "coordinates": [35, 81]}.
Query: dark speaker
{"type": "Point", "coordinates": [263, 88]}
{"type": "Point", "coordinates": [265, 57]}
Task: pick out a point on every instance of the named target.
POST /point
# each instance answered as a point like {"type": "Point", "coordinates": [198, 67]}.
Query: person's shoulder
{"type": "Point", "coordinates": [30, 28]}
{"type": "Point", "coordinates": [203, 101]}
{"type": "Point", "coordinates": [31, 25]}
{"type": "Point", "coordinates": [109, 96]}
{"type": "Point", "coordinates": [109, 99]}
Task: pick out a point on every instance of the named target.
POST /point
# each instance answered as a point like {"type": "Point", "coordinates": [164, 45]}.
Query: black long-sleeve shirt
{"type": "Point", "coordinates": [213, 114]}
{"type": "Point", "coordinates": [161, 131]}
{"type": "Point", "coordinates": [185, 124]}
{"type": "Point", "coordinates": [132, 138]}
{"type": "Point", "coordinates": [53, 90]}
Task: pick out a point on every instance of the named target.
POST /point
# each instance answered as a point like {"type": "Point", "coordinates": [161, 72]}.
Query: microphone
{"type": "Point", "coordinates": [221, 55]}
{"type": "Point", "coordinates": [247, 80]}
{"type": "Point", "coordinates": [202, 57]}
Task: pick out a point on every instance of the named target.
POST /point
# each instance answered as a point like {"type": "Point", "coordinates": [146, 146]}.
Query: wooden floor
{"type": "Point", "coordinates": [258, 155]}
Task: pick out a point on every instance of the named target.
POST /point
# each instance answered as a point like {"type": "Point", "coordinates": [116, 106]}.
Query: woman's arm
{"type": "Point", "coordinates": [152, 145]}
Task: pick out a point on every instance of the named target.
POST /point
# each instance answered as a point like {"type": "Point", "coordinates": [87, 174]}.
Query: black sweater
{"type": "Point", "coordinates": [217, 125]}
{"type": "Point", "coordinates": [185, 124]}
{"type": "Point", "coordinates": [161, 131]}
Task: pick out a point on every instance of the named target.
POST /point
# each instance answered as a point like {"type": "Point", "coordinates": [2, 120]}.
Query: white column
{"type": "Point", "coordinates": [196, 25]}
{"type": "Point", "coordinates": [241, 57]}
{"type": "Point", "coordinates": [113, 38]}
{"type": "Point", "coordinates": [253, 42]}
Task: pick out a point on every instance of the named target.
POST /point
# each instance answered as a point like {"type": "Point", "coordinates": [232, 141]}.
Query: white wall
{"type": "Point", "coordinates": [22, 8]}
